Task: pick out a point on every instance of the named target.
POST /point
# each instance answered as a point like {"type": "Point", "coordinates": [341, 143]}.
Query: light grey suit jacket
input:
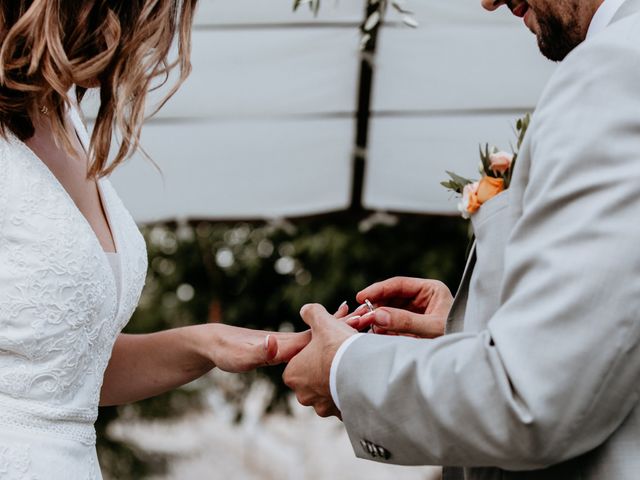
{"type": "Point", "coordinates": [540, 376]}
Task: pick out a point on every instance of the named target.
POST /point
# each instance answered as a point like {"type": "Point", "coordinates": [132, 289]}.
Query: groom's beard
{"type": "Point", "coordinates": [558, 31]}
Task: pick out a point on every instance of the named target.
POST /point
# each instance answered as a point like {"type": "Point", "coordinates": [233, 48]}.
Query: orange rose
{"type": "Point", "coordinates": [489, 187]}
{"type": "Point", "coordinates": [474, 202]}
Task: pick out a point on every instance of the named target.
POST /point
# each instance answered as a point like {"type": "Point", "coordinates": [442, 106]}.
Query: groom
{"type": "Point", "coordinates": [539, 375]}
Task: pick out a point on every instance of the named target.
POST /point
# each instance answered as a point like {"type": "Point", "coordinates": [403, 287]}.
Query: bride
{"type": "Point", "coordinates": [72, 261]}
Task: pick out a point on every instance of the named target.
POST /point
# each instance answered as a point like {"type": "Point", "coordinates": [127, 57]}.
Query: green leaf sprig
{"type": "Point", "coordinates": [456, 183]}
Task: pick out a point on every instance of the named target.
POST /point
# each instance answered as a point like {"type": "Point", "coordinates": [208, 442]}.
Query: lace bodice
{"type": "Point", "coordinates": [60, 311]}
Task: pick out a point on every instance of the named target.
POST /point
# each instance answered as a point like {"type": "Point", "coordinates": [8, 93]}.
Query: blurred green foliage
{"type": "Point", "coordinates": [258, 276]}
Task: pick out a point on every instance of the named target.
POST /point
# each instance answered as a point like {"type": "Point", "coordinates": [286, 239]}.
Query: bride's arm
{"type": "Point", "coordinates": [143, 366]}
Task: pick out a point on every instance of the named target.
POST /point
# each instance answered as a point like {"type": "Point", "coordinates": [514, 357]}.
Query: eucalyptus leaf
{"type": "Point", "coordinates": [458, 179]}
{"type": "Point", "coordinates": [410, 21]}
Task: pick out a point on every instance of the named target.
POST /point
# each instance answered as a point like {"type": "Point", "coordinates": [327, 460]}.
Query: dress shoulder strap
{"type": "Point", "coordinates": [6, 147]}
{"type": "Point", "coordinates": [75, 114]}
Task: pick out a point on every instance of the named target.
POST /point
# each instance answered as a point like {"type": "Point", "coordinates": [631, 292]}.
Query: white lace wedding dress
{"type": "Point", "coordinates": [61, 309]}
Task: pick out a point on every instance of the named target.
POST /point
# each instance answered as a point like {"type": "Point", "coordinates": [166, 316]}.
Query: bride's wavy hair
{"type": "Point", "coordinates": [120, 46]}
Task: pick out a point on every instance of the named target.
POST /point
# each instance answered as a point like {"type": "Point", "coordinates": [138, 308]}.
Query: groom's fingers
{"type": "Point", "coordinates": [404, 322]}
{"type": "Point", "coordinates": [372, 292]}
{"type": "Point", "coordinates": [315, 315]}
{"type": "Point", "coordinates": [396, 287]}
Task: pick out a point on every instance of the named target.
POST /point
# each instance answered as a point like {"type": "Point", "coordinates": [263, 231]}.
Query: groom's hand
{"type": "Point", "coordinates": [406, 306]}
{"type": "Point", "coordinates": [308, 373]}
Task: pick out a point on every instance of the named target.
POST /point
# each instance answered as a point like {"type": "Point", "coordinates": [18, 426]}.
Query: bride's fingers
{"type": "Point", "coordinates": [270, 348]}
{"type": "Point", "coordinates": [289, 345]}
{"type": "Point", "coordinates": [353, 321]}
{"type": "Point", "coordinates": [342, 311]}
{"type": "Point", "coordinates": [360, 318]}
{"type": "Point", "coordinates": [361, 310]}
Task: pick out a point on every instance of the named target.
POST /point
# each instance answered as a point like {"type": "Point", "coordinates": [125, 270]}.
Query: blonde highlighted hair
{"type": "Point", "coordinates": [120, 46]}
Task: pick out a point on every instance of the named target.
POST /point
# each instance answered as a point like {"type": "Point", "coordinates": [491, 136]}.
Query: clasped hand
{"type": "Point", "coordinates": [407, 306]}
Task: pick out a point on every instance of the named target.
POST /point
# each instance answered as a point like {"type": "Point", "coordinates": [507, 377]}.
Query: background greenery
{"type": "Point", "coordinates": [259, 275]}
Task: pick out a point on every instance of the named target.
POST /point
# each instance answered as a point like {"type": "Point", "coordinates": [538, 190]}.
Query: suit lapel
{"type": "Point", "coordinates": [455, 320]}
{"type": "Point", "coordinates": [627, 9]}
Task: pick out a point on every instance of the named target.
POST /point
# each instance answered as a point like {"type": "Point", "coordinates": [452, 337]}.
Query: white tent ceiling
{"type": "Point", "coordinates": [265, 126]}
{"type": "Point", "coordinates": [441, 90]}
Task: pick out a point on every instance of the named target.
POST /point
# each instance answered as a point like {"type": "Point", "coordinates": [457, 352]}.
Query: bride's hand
{"type": "Point", "coordinates": [235, 349]}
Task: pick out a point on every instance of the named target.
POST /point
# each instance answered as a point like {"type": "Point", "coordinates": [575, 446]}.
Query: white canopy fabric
{"type": "Point", "coordinates": [240, 169]}
{"type": "Point", "coordinates": [459, 81]}
{"type": "Point", "coordinates": [265, 126]}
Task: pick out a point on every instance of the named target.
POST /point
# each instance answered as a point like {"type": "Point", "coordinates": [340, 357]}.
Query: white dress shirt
{"type": "Point", "coordinates": [603, 17]}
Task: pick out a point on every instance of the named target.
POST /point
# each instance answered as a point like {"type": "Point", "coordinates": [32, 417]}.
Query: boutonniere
{"type": "Point", "coordinates": [496, 169]}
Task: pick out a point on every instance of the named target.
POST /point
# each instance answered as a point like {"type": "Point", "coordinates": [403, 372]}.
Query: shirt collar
{"type": "Point", "coordinates": [603, 17]}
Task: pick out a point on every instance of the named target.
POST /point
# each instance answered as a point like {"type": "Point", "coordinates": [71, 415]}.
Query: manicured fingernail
{"type": "Point", "coordinates": [369, 315]}
{"type": "Point", "coordinates": [343, 304]}
{"type": "Point", "coordinates": [266, 342]}
{"type": "Point", "coordinates": [353, 321]}
{"type": "Point", "coordinates": [361, 308]}
{"type": "Point", "coordinates": [383, 319]}
{"type": "Point", "coordinates": [355, 317]}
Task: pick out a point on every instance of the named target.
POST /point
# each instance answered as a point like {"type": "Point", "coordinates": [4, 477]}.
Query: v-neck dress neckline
{"type": "Point", "coordinates": [83, 138]}
{"type": "Point", "coordinates": [116, 267]}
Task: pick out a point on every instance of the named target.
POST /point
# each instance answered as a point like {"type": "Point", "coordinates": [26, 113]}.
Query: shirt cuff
{"type": "Point", "coordinates": [333, 373]}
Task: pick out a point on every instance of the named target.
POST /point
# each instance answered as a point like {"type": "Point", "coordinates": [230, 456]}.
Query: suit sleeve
{"type": "Point", "coordinates": [557, 369]}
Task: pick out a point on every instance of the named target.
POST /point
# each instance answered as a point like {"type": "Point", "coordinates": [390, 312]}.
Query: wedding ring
{"type": "Point", "coordinates": [369, 305]}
